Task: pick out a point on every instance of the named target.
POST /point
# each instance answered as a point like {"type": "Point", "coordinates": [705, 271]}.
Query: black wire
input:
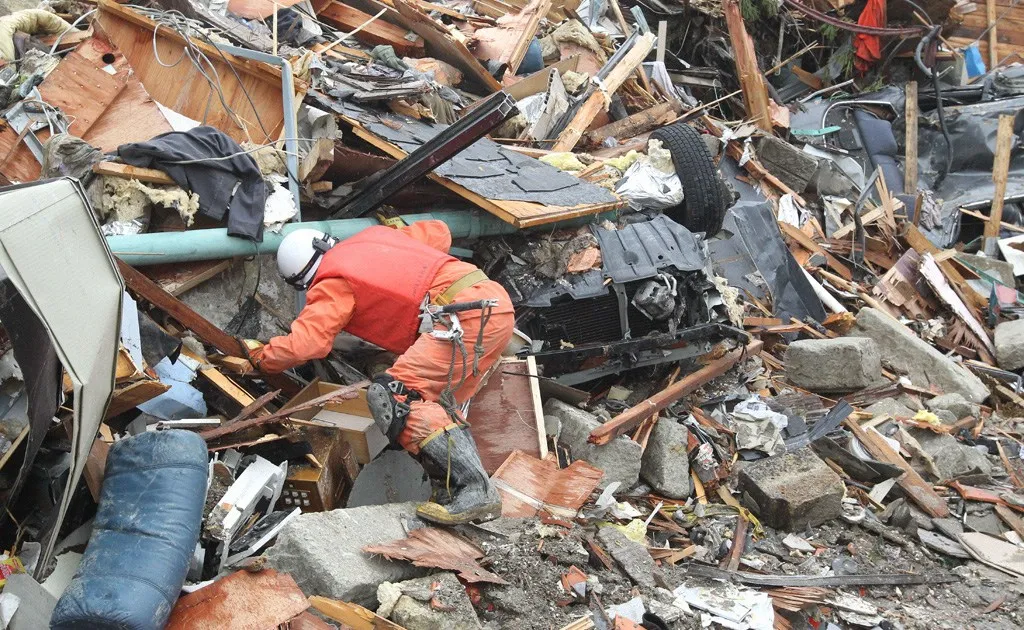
{"type": "Point", "coordinates": [930, 72]}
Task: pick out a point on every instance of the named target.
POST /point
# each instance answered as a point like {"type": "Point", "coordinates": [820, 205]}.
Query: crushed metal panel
{"type": "Point", "coordinates": [640, 250]}
{"type": "Point", "coordinates": [441, 549]}
{"type": "Point", "coordinates": [53, 252]}
{"type": "Point", "coordinates": [264, 599]}
{"type": "Point", "coordinates": [529, 485]}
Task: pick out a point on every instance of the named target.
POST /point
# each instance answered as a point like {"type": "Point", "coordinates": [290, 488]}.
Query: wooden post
{"type": "Point", "coordinates": [910, 168]}
{"type": "Point", "coordinates": [1000, 171]}
{"type": "Point", "coordinates": [755, 92]}
{"type": "Point", "coordinates": [993, 37]}
{"type": "Point", "coordinates": [662, 41]}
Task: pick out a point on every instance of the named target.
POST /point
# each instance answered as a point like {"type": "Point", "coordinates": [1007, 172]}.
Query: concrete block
{"type": "Point", "coordinates": [413, 610]}
{"type": "Point", "coordinates": [833, 365]}
{"type": "Point", "coordinates": [665, 464]}
{"type": "Point", "coordinates": [792, 490]}
{"type": "Point", "coordinates": [619, 459]}
{"type": "Point", "coordinates": [323, 551]}
{"type": "Point", "coordinates": [952, 459]}
{"type": "Point", "coordinates": [392, 477]}
{"type": "Point", "coordinates": [910, 355]}
{"type": "Point", "coordinates": [633, 557]}
{"type": "Point", "coordinates": [955, 404]}
{"type": "Point", "coordinates": [1010, 345]}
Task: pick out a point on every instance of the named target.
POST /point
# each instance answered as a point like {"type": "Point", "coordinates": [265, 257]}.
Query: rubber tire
{"type": "Point", "coordinates": [704, 195]}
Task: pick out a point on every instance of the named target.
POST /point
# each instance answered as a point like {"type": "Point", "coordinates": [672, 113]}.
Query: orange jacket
{"type": "Point", "coordinates": [330, 303]}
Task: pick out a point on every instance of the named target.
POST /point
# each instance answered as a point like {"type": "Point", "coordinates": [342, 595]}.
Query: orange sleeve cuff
{"type": "Point", "coordinates": [329, 306]}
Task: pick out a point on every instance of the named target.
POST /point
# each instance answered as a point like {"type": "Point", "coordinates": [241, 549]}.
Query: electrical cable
{"type": "Point", "coordinates": [936, 84]}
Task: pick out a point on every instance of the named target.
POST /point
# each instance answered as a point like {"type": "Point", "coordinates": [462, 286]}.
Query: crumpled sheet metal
{"type": "Point", "coordinates": [440, 549]}
{"type": "Point", "coordinates": [972, 129]}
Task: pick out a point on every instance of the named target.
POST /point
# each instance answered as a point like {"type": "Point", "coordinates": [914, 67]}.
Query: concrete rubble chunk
{"type": "Point", "coordinates": [833, 365]}
{"type": "Point", "coordinates": [619, 459]}
{"type": "Point", "coordinates": [1010, 345]}
{"type": "Point", "coordinates": [890, 407]}
{"type": "Point", "coordinates": [631, 556]}
{"type": "Point", "coordinates": [955, 404]}
{"type": "Point", "coordinates": [323, 551]}
{"type": "Point", "coordinates": [413, 609]}
{"type": "Point", "coordinates": [665, 464]}
{"type": "Point", "coordinates": [952, 459]}
{"type": "Point", "coordinates": [793, 490]}
{"type": "Point", "coordinates": [908, 354]}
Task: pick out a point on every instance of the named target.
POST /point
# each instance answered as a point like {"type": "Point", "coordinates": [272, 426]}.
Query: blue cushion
{"type": "Point", "coordinates": [145, 531]}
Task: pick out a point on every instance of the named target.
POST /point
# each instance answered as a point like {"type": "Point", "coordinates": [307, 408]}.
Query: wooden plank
{"type": "Point", "coordinates": [809, 244]}
{"type": "Point", "coordinates": [377, 32]}
{"type": "Point", "coordinates": [441, 45]}
{"type": "Point", "coordinates": [636, 124]}
{"type": "Point", "coordinates": [1015, 522]}
{"type": "Point", "coordinates": [202, 327]}
{"type": "Point", "coordinates": [352, 616]}
{"type": "Point", "coordinates": [910, 166]}
{"type": "Point", "coordinates": [505, 413]}
{"type": "Point", "coordinates": [178, 278]}
{"type": "Point", "coordinates": [341, 393]}
{"type": "Point", "coordinates": [596, 102]}
{"type": "Point", "coordinates": [919, 491]}
{"type": "Point", "coordinates": [755, 92]}
{"type": "Point", "coordinates": [916, 239]}
{"type": "Point", "coordinates": [125, 171]}
{"type": "Point", "coordinates": [507, 41]}
{"type": "Point", "coordinates": [632, 417]}
{"type": "Point", "coordinates": [133, 395]}
{"type": "Point", "coordinates": [993, 34]}
{"type": "Point", "coordinates": [1000, 172]}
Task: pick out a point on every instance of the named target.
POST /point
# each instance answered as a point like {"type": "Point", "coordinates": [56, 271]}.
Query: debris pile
{"type": "Point", "coordinates": [712, 319]}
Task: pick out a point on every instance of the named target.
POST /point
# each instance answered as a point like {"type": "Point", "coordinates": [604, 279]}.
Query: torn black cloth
{"type": "Point", "coordinates": [231, 186]}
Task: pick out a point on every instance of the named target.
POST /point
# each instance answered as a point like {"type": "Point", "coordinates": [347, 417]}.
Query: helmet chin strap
{"type": "Point", "coordinates": [320, 247]}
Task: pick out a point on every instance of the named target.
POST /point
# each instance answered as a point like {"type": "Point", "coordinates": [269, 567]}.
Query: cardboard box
{"type": "Point", "coordinates": [351, 417]}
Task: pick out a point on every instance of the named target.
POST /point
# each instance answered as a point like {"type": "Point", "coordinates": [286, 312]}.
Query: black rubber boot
{"type": "Point", "coordinates": [472, 498]}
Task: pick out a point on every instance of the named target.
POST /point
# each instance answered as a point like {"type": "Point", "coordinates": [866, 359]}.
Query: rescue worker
{"type": "Point", "coordinates": [373, 285]}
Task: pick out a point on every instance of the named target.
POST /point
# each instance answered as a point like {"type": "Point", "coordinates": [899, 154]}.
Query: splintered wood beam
{"type": "Point", "coordinates": [632, 417]}
{"type": "Point", "coordinates": [919, 491]}
{"type": "Point", "coordinates": [636, 124]}
{"type": "Point", "coordinates": [1000, 173]}
{"type": "Point", "coordinates": [910, 165]}
{"type": "Point", "coordinates": [596, 102]}
{"type": "Point", "coordinates": [755, 92]}
{"type": "Point", "coordinates": [202, 327]}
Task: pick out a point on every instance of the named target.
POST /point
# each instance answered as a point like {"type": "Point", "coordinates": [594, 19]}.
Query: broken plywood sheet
{"type": "Point", "coordinates": [439, 549]}
{"type": "Point", "coordinates": [264, 599]}
{"type": "Point", "coordinates": [93, 85]}
{"type": "Point", "coordinates": [508, 40]}
{"type": "Point", "coordinates": [506, 414]}
{"type": "Point", "coordinates": [529, 485]}
{"type": "Point", "coordinates": [444, 46]}
{"type": "Point", "coordinates": [252, 90]}
{"type": "Point", "coordinates": [516, 188]}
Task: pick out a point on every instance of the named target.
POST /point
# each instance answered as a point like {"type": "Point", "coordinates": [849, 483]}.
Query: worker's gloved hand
{"type": "Point", "coordinates": [253, 351]}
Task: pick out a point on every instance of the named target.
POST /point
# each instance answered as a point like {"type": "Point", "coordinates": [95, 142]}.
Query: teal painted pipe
{"type": "Point", "coordinates": [212, 244]}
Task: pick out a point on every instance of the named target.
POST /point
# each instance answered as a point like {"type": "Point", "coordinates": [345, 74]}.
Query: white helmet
{"type": "Point", "coordinates": [299, 255]}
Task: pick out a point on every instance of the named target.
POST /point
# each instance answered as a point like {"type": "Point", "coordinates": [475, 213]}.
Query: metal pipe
{"type": "Point", "coordinates": [212, 244]}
